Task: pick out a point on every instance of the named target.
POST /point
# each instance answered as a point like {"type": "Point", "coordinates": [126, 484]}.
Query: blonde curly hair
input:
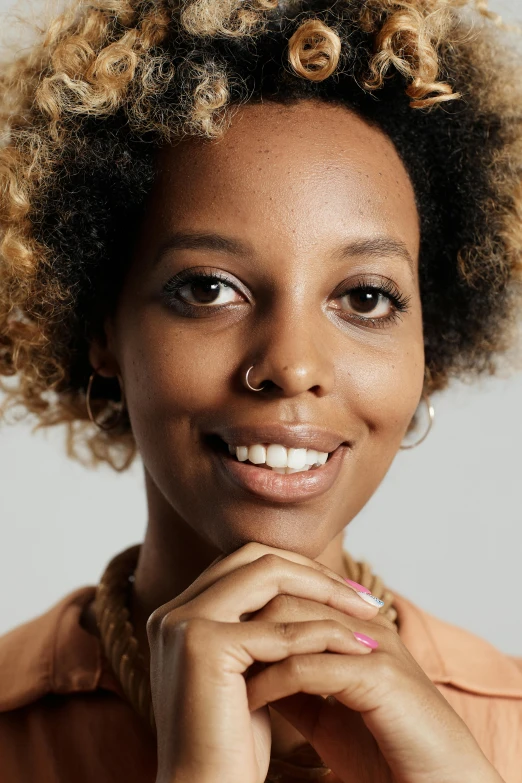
{"type": "Point", "coordinates": [85, 109]}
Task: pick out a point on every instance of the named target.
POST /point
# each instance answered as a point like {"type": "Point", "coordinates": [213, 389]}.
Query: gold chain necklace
{"type": "Point", "coordinates": [111, 608]}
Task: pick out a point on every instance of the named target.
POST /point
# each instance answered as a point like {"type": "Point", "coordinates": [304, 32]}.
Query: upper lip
{"type": "Point", "coordinates": [295, 436]}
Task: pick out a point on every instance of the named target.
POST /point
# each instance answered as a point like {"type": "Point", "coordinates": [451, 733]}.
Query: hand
{"type": "Point", "coordinates": [201, 647]}
{"type": "Point", "coordinates": [383, 720]}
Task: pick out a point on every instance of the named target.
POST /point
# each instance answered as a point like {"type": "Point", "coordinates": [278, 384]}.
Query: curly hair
{"type": "Point", "coordinates": [84, 111]}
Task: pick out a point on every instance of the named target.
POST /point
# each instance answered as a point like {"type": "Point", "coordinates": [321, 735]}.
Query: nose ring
{"type": "Point", "coordinates": [252, 388]}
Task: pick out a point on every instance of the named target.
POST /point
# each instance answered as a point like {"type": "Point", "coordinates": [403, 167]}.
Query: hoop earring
{"type": "Point", "coordinates": [252, 388]}
{"type": "Point", "coordinates": [121, 407]}
{"type": "Point", "coordinates": [431, 412]}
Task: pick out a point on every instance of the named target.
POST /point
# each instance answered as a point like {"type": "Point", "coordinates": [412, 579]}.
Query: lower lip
{"type": "Point", "coordinates": [282, 488]}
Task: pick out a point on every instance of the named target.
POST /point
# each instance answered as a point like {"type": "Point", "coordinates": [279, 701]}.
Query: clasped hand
{"type": "Point", "coordinates": [266, 626]}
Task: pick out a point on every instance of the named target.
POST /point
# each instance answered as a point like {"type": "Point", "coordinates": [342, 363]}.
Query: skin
{"type": "Point", "coordinates": [284, 180]}
{"type": "Point", "coordinates": [294, 183]}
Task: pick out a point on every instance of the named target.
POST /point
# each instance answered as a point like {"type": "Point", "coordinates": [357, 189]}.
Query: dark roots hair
{"type": "Point", "coordinates": [84, 112]}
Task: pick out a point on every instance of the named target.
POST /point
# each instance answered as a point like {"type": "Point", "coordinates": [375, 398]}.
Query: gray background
{"type": "Point", "coordinates": [444, 528]}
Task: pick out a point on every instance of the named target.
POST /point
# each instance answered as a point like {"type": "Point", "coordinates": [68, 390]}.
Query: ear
{"type": "Point", "coordinates": [102, 355]}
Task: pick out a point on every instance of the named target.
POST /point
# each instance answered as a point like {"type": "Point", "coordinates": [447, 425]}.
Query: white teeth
{"type": "Point", "coordinates": [311, 456]}
{"type": "Point", "coordinates": [242, 453]}
{"type": "Point", "coordinates": [296, 458]}
{"type": "Point", "coordinates": [257, 454]}
{"type": "Point", "coordinates": [276, 456]}
{"type": "Point", "coordinates": [279, 458]}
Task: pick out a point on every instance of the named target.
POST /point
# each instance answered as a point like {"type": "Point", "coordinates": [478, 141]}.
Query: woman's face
{"type": "Point", "coordinates": [305, 220]}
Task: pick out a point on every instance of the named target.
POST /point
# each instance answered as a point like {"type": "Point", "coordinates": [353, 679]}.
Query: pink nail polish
{"type": "Point", "coordinates": [357, 586]}
{"type": "Point", "coordinates": [367, 640]}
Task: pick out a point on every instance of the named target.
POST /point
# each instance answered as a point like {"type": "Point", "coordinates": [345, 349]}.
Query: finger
{"type": "Point", "coordinates": [347, 677]}
{"type": "Point", "coordinates": [236, 646]}
{"type": "Point", "coordinates": [223, 565]}
{"type": "Point", "coordinates": [250, 587]}
{"type": "Point", "coordinates": [254, 549]}
{"type": "Point", "coordinates": [290, 608]}
{"type": "Point", "coordinates": [287, 608]}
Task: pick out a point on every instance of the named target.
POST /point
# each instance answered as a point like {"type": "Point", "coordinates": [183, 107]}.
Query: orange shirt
{"type": "Point", "coordinates": [64, 718]}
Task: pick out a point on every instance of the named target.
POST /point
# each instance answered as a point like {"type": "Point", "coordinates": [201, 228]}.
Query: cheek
{"type": "Point", "coordinates": [385, 387]}
{"type": "Point", "coordinates": [382, 391]}
{"type": "Point", "coordinates": [171, 372]}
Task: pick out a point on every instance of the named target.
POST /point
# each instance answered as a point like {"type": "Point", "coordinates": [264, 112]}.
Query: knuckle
{"type": "Point", "coordinates": [269, 561]}
{"type": "Point", "coordinates": [286, 630]}
{"type": "Point", "coordinates": [296, 667]}
{"type": "Point", "coordinates": [154, 623]}
{"type": "Point", "coordinates": [279, 604]}
{"type": "Point", "coordinates": [254, 549]}
{"type": "Point", "coordinates": [194, 633]}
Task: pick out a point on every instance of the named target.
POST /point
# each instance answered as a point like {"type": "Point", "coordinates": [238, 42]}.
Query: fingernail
{"type": "Point", "coordinates": [357, 586]}
{"type": "Point", "coordinates": [367, 640]}
{"type": "Point", "coordinates": [370, 599]}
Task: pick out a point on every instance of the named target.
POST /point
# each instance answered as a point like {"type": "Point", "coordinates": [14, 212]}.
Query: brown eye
{"type": "Point", "coordinates": [205, 291]}
{"type": "Point", "coordinates": [366, 301]}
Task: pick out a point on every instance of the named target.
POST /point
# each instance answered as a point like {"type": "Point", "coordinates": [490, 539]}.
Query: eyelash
{"type": "Point", "coordinates": [385, 288]}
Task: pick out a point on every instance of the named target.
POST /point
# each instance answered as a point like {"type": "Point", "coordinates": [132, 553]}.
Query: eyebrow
{"type": "Point", "coordinates": [374, 247]}
{"type": "Point", "coordinates": [377, 247]}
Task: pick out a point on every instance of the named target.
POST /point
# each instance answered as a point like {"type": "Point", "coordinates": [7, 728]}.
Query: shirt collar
{"type": "Point", "coordinates": [53, 654]}
{"type": "Point", "coordinates": [453, 656]}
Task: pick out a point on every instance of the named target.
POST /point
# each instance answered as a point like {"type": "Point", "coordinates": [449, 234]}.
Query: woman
{"type": "Point", "coordinates": [249, 241]}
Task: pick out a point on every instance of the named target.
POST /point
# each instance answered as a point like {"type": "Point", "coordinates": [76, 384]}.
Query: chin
{"type": "Point", "coordinates": [290, 529]}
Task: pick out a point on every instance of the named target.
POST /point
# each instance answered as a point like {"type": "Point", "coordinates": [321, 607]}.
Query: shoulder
{"type": "Point", "coordinates": [63, 715]}
{"type": "Point", "coordinates": [456, 657]}
{"type": "Point", "coordinates": [52, 654]}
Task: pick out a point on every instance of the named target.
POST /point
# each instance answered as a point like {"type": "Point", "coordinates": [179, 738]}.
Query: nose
{"type": "Point", "coordinates": [292, 359]}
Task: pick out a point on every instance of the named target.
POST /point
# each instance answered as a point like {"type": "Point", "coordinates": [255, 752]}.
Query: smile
{"type": "Point", "coordinates": [278, 458]}
{"type": "Point", "coordinates": [279, 483]}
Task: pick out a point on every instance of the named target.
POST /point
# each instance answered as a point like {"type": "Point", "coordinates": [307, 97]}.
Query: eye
{"type": "Point", "coordinates": [207, 291]}
{"type": "Point", "coordinates": [201, 292]}
{"type": "Point", "coordinates": [370, 301]}
{"type": "Point", "coordinates": [367, 301]}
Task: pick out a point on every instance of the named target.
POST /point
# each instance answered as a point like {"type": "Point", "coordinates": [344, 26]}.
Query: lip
{"type": "Point", "coordinates": [293, 436]}
{"type": "Point", "coordinates": [279, 488]}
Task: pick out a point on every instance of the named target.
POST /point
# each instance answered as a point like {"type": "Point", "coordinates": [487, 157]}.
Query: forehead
{"type": "Point", "coordinates": [303, 175]}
